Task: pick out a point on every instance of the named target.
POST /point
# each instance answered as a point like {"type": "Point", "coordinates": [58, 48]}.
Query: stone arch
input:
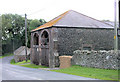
{"type": "Point", "coordinates": [36, 48]}
{"type": "Point", "coordinates": [36, 39]}
{"type": "Point", "coordinates": [45, 38]}
{"type": "Point", "coordinates": [45, 47]}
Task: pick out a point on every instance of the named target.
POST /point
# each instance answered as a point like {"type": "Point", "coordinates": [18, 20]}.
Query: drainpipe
{"type": "Point", "coordinates": [115, 26]}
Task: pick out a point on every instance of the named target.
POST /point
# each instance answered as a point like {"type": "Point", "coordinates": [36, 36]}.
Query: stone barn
{"type": "Point", "coordinates": [20, 54]}
{"type": "Point", "coordinates": [66, 33]}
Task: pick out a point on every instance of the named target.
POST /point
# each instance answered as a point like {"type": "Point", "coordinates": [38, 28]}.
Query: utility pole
{"type": "Point", "coordinates": [115, 27]}
{"type": "Point", "coordinates": [13, 41]}
{"type": "Point", "coordinates": [26, 36]}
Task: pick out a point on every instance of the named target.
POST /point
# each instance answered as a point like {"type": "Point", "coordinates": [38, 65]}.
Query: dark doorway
{"type": "Point", "coordinates": [45, 48]}
{"type": "Point", "coordinates": [36, 49]}
{"type": "Point", "coordinates": [36, 39]}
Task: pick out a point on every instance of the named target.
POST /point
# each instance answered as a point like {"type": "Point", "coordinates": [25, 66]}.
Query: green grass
{"type": "Point", "coordinates": [19, 63]}
{"type": "Point", "coordinates": [26, 64]}
{"type": "Point", "coordinates": [96, 73]}
{"type": "Point", "coordinates": [12, 61]}
{"type": "Point", "coordinates": [33, 66]}
{"type": "Point", "coordinates": [102, 74]}
{"type": "Point", "coordinates": [9, 54]}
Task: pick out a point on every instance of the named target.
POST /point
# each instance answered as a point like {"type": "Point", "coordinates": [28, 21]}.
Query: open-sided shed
{"type": "Point", "coordinates": [66, 33]}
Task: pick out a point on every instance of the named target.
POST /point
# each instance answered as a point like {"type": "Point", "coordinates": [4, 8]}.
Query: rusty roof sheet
{"type": "Point", "coordinates": [50, 23]}
{"type": "Point", "coordinates": [74, 19]}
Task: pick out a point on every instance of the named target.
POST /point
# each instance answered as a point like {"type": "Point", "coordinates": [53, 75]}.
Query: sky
{"type": "Point", "coordinates": [49, 9]}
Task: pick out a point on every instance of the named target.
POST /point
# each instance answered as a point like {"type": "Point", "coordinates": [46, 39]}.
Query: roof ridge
{"type": "Point", "coordinates": [18, 49]}
{"type": "Point", "coordinates": [21, 49]}
{"type": "Point", "coordinates": [64, 14]}
{"type": "Point", "coordinates": [91, 17]}
{"type": "Point", "coordinates": [60, 15]}
{"type": "Point", "coordinates": [53, 21]}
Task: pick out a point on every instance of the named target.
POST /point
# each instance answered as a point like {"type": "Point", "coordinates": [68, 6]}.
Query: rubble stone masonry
{"type": "Point", "coordinates": [98, 59]}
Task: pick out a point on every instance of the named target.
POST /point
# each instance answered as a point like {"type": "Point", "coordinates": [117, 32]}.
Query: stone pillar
{"type": "Point", "coordinates": [40, 53]}
{"type": "Point", "coordinates": [31, 50]}
{"type": "Point", "coordinates": [51, 54]}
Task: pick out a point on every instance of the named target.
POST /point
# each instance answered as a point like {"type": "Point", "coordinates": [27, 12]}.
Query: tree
{"type": "Point", "coordinates": [0, 35]}
{"type": "Point", "coordinates": [11, 25]}
{"type": "Point", "coordinates": [12, 28]}
{"type": "Point", "coordinates": [36, 23]}
{"type": "Point", "coordinates": [28, 37]}
{"type": "Point", "coordinates": [42, 21]}
{"type": "Point", "coordinates": [13, 31]}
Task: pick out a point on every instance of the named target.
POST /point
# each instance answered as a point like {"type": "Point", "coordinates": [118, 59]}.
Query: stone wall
{"type": "Point", "coordinates": [19, 58]}
{"type": "Point", "coordinates": [119, 42]}
{"type": "Point", "coordinates": [63, 41]}
{"type": "Point", "coordinates": [71, 39]}
{"type": "Point", "coordinates": [98, 59]}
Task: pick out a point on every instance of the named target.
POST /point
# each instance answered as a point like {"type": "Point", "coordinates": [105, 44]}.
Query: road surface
{"type": "Point", "coordinates": [14, 72]}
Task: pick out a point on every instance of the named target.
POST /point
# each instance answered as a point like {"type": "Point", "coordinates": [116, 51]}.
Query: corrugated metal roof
{"type": "Point", "coordinates": [51, 23]}
{"type": "Point", "coordinates": [74, 19]}
{"type": "Point", "coordinates": [111, 23]}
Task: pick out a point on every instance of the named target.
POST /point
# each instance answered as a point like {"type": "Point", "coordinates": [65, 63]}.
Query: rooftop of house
{"type": "Point", "coordinates": [21, 51]}
{"type": "Point", "coordinates": [111, 23]}
{"type": "Point", "coordinates": [74, 19]}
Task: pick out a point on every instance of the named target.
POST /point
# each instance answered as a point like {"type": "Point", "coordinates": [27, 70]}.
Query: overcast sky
{"type": "Point", "coordinates": [48, 9]}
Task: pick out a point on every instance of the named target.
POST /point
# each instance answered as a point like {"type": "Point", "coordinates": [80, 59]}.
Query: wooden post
{"type": "Point", "coordinates": [26, 36]}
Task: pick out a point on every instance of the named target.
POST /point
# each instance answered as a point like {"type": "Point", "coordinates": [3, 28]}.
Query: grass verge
{"type": "Point", "coordinates": [19, 63]}
{"type": "Point", "coordinates": [26, 64]}
{"type": "Point", "coordinates": [9, 54]}
{"type": "Point", "coordinates": [96, 73]}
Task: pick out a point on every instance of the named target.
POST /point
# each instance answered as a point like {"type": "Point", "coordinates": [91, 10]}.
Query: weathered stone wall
{"type": "Point", "coordinates": [63, 41]}
{"type": "Point", "coordinates": [71, 39]}
{"type": "Point", "coordinates": [19, 58]}
{"type": "Point", "coordinates": [98, 59]}
{"type": "Point", "coordinates": [119, 42]}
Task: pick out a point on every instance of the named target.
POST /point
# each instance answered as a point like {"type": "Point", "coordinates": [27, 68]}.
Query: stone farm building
{"type": "Point", "coordinates": [20, 54]}
{"type": "Point", "coordinates": [66, 33]}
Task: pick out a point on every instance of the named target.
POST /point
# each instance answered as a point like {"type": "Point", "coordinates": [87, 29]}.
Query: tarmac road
{"type": "Point", "coordinates": [14, 72]}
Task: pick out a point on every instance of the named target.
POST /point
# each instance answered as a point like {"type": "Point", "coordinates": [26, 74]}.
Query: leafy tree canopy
{"type": "Point", "coordinates": [13, 30]}
{"type": "Point", "coordinates": [36, 23]}
{"type": "Point", "coordinates": [11, 25]}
